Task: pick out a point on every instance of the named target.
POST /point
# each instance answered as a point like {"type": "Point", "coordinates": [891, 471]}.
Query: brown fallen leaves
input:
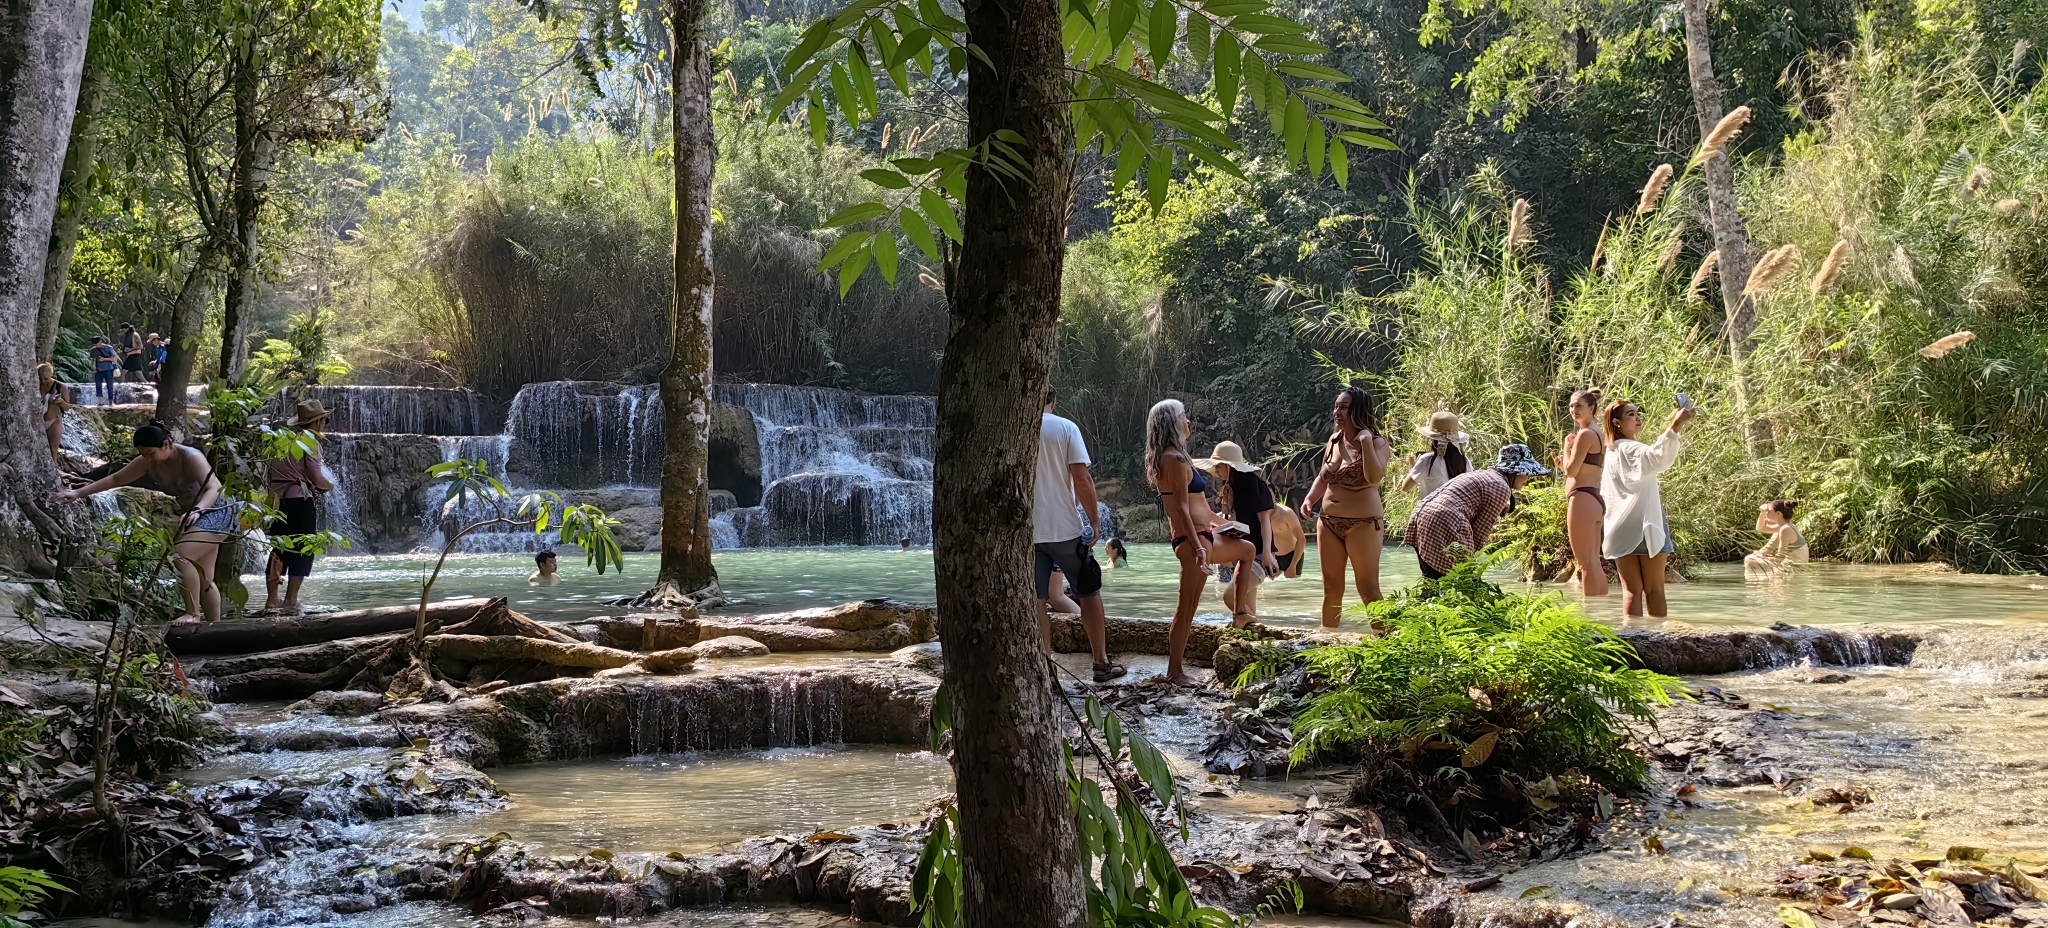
{"type": "Point", "coordinates": [1966, 888]}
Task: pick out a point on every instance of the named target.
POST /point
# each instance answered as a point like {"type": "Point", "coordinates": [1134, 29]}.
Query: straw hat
{"type": "Point", "coordinates": [307, 413]}
{"type": "Point", "coordinates": [1227, 452]}
{"type": "Point", "coordinates": [1443, 426]}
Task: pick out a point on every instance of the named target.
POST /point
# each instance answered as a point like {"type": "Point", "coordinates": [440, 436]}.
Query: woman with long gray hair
{"type": "Point", "coordinates": [1183, 493]}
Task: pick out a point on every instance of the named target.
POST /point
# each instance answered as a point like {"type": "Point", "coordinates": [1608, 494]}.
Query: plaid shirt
{"type": "Point", "coordinates": [1462, 512]}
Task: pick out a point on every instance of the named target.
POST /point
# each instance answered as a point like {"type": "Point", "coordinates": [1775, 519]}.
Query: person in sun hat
{"type": "Point", "coordinates": [295, 483]}
{"type": "Point", "coordinates": [1456, 521]}
{"type": "Point", "coordinates": [1249, 500]}
{"type": "Point", "coordinates": [1445, 458]}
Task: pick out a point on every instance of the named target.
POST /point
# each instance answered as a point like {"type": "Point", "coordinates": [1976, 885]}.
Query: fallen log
{"type": "Point", "coordinates": [500, 648]}
{"type": "Point", "coordinates": [250, 636]}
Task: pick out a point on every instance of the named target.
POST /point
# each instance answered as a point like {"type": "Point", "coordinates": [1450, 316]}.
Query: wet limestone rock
{"type": "Point", "coordinates": [639, 528]}
{"type": "Point", "coordinates": [868, 625]}
{"type": "Point", "coordinates": [735, 454]}
{"type": "Point", "coordinates": [674, 660]}
{"type": "Point", "coordinates": [927, 657]}
{"type": "Point", "coordinates": [731, 646]}
{"type": "Point", "coordinates": [387, 484]}
{"type": "Point", "coordinates": [644, 631]}
{"type": "Point", "coordinates": [1697, 653]}
{"type": "Point", "coordinates": [339, 703]}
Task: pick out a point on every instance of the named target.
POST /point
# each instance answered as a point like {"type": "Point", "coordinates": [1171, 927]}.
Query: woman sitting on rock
{"type": "Point", "coordinates": [204, 520]}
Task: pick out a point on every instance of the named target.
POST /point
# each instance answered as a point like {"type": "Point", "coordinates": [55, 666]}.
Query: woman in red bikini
{"type": "Point", "coordinates": [1183, 494]}
{"type": "Point", "coordinates": [1345, 504]}
{"type": "Point", "coordinates": [1584, 457]}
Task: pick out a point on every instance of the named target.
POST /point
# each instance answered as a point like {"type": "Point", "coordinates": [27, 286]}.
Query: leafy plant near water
{"type": "Point", "coordinates": [1132, 877]}
{"type": "Point", "coordinates": [1479, 695]}
{"type": "Point", "coordinates": [21, 887]}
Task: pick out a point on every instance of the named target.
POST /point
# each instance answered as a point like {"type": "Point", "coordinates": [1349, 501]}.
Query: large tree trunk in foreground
{"type": "Point", "coordinates": [1018, 850]}
{"type": "Point", "coordinates": [1731, 237]}
{"type": "Point", "coordinates": [686, 384]}
{"type": "Point", "coordinates": [42, 51]}
{"type": "Point", "coordinates": [73, 188]}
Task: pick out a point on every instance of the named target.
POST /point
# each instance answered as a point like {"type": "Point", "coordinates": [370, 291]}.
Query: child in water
{"type": "Point", "coordinates": [1784, 547]}
{"type": "Point", "coordinates": [545, 575]}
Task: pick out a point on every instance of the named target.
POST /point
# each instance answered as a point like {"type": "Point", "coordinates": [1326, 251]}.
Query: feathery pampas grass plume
{"type": "Point", "coordinates": [1654, 189]}
{"type": "Point", "coordinates": [2006, 207]}
{"type": "Point", "coordinates": [1518, 225]}
{"type": "Point", "coordinates": [1979, 176]}
{"type": "Point", "coordinates": [1946, 344]}
{"type": "Point", "coordinates": [1670, 255]}
{"type": "Point", "coordinates": [1696, 291]}
{"type": "Point", "coordinates": [1724, 131]}
{"type": "Point", "coordinates": [1769, 268]}
{"type": "Point", "coordinates": [1599, 247]}
{"type": "Point", "coordinates": [1831, 268]}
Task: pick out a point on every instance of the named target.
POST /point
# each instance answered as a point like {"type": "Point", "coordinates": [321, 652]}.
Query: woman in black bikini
{"type": "Point", "coordinates": [1345, 502]}
{"type": "Point", "coordinates": [55, 401]}
{"type": "Point", "coordinates": [183, 472]}
{"type": "Point", "coordinates": [1183, 494]}
{"type": "Point", "coordinates": [1584, 457]}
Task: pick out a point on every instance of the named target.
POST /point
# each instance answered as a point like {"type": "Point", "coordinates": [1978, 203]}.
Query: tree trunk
{"type": "Point", "coordinates": [686, 383]}
{"type": "Point", "coordinates": [1018, 849]}
{"type": "Point", "coordinates": [42, 52]}
{"type": "Point", "coordinates": [73, 190]}
{"type": "Point", "coordinates": [1731, 238]}
{"type": "Point", "coordinates": [188, 322]}
{"type": "Point", "coordinates": [239, 301]}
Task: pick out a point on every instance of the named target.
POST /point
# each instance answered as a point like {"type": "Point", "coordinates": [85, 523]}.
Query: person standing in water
{"type": "Point", "coordinates": [1456, 521]}
{"type": "Point", "coordinates": [1638, 537]}
{"type": "Point", "coordinates": [1784, 547]}
{"type": "Point", "coordinates": [1344, 501]}
{"type": "Point", "coordinates": [295, 484]}
{"type": "Point", "coordinates": [204, 520]}
{"type": "Point", "coordinates": [1184, 494]}
{"type": "Point", "coordinates": [544, 572]}
{"type": "Point", "coordinates": [1250, 502]}
{"type": "Point", "coordinates": [1445, 457]}
{"type": "Point", "coordinates": [1061, 537]}
{"type": "Point", "coordinates": [1583, 461]}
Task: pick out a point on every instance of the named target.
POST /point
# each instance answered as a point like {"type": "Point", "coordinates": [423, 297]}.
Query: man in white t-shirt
{"type": "Point", "coordinates": [1063, 490]}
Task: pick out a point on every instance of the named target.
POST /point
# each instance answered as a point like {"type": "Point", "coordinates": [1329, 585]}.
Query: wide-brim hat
{"type": "Point", "coordinates": [1444, 426]}
{"type": "Point", "coordinates": [1227, 452]}
{"type": "Point", "coordinates": [307, 413]}
{"type": "Point", "coordinates": [1516, 459]}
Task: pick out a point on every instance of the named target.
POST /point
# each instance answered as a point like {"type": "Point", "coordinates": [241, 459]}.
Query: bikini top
{"type": "Point", "coordinates": [1595, 459]}
{"type": "Point", "coordinates": [1196, 483]}
{"type": "Point", "coordinates": [1351, 475]}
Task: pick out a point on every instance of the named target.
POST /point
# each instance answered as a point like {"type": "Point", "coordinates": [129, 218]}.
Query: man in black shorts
{"type": "Point", "coordinates": [131, 355]}
{"type": "Point", "coordinates": [1062, 492]}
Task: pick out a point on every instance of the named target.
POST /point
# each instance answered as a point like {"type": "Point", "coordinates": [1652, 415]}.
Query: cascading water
{"type": "Point", "coordinates": [837, 467]}
{"type": "Point", "coordinates": [406, 410]}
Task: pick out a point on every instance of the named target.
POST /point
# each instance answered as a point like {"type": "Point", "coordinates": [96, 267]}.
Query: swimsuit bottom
{"type": "Point", "coordinates": [1205, 533]}
{"type": "Point", "coordinates": [1341, 526]}
{"type": "Point", "coordinates": [1593, 492]}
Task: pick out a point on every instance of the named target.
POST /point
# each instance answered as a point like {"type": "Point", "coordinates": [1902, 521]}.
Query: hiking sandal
{"type": "Point", "coordinates": [1109, 671]}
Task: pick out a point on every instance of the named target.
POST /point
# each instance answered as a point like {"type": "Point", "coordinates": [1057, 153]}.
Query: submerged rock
{"type": "Point", "coordinates": [731, 646]}
{"type": "Point", "coordinates": [928, 657]}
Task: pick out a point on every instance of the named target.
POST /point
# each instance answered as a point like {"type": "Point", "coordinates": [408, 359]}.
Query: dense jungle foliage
{"type": "Point", "coordinates": [509, 220]}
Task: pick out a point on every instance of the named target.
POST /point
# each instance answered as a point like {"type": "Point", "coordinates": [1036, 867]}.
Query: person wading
{"type": "Point", "coordinates": [1638, 537]}
{"type": "Point", "coordinates": [1456, 521]}
{"type": "Point", "coordinates": [1583, 461]}
{"type": "Point", "coordinates": [1344, 502]}
{"type": "Point", "coordinates": [1062, 491]}
{"type": "Point", "coordinates": [1249, 500]}
{"type": "Point", "coordinates": [295, 484]}
{"type": "Point", "coordinates": [1184, 494]}
{"type": "Point", "coordinates": [204, 521]}
{"type": "Point", "coordinates": [131, 355]}
{"type": "Point", "coordinates": [1445, 457]}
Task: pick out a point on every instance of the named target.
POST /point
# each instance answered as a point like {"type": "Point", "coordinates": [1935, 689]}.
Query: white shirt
{"type": "Point", "coordinates": [1055, 515]}
{"type": "Point", "coordinates": [1430, 473]}
{"type": "Point", "coordinates": [1635, 505]}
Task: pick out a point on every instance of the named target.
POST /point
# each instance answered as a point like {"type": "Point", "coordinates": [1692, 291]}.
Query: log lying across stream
{"type": "Point", "coordinates": [249, 636]}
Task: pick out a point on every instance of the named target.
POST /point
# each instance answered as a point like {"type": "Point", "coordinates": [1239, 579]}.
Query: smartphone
{"type": "Point", "coordinates": [1684, 401]}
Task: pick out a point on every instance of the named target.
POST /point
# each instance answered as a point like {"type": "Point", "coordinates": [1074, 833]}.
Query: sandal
{"type": "Point", "coordinates": [1109, 671]}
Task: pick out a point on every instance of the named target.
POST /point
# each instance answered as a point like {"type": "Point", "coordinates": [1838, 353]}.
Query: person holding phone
{"type": "Point", "coordinates": [1638, 536]}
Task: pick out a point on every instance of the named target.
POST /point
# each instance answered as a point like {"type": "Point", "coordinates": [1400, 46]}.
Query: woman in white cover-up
{"type": "Point", "coordinates": [1637, 536]}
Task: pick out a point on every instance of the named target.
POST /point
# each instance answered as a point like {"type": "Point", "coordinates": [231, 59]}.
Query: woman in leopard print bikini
{"type": "Point", "coordinates": [1344, 502]}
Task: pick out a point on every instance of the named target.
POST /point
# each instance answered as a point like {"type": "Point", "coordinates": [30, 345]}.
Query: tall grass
{"type": "Point", "coordinates": [1938, 185]}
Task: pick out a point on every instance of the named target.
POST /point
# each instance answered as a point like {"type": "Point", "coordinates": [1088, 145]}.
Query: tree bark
{"type": "Point", "coordinates": [1019, 854]}
{"type": "Point", "coordinates": [73, 190]}
{"type": "Point", "coordinates": [253, 635]}
{"type": "Point", "coordinates": [188, 322]}
{"type": "Point", "coordinates": [1731, 237]}
{"type": "Point", "coordinates": [42, 55]}
{"type": "Point", "coordinates": [239, 301]}
{"type": "Point", "coordinates": [686, 383]}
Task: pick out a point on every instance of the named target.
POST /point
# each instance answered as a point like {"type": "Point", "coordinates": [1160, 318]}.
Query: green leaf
{"type": "Point", "coordinates": [1368, 141]}
{"type": "Point", "coordinates": [1333, 98]}
{"type": "Point", "coordinates": [939, 211]}
{"type": "Point", "coordinates": [1226, 72]}
{"type": "Point", "coordinates": [919, 232]}
{"type": "Point", "coordinates": [855, 214]}
{"type": "Point", "coordinates": [1198, 39]}
{"type": "Point", "coordinates": [885, 257]}
{"type": "Point", "coordinates": [1314, 72]}
{"type": "Point", "coordinates": [1214, 158]}
{"type": "Point", "coordinates": [1229, 8]}
{"type": "Point", "coordinates": [1276, 100]}
{"type": "Point", "coordinates": [843, 95]}
{"type": "Point", "coordinates": [1158, 171]}
{"type": "Point", "coordinates": [1261, 24]}
{"type": "Point", "coordinates": [847, 245]}
{"type": "Point", "coordinates": [1152, 766]}
{"type": "Point", "coordinates": [1288, 45]}
{"type": "Point", "coordinates": [863, 79]}
{"type": "Point", "coordinates": [1344, 118]}
{"type": "Point", "coordinates": [883, 177]}
{"type": "Point", "coordinates": [820, 125]}
{"type": "Point", "coordinates": [1130, 155]}
{"type": "Point", "coordinates": [849, 273]}
{"type": "Point", "coordinates": [1294, 128]}
{"type": "Point", "coordinates": [814, 39]}
{"type": "Point", "coordinates": [794, 89]}
{"type": "Point", "coordinates": [1340, 164]}
{"type": "Point", "coordinates": [1314, 149]}
{"type": "Point", "coordinates": [1122, 15]}
{"type": "Point", "coordinates": [1165, 25]}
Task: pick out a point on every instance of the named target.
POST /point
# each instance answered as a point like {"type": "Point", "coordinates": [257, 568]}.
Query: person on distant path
{"type": "Point", "coordinates": [1183, 493]}
{"type": "Point", "coordinates": [204, 521]}
{"type": "Point", "coordinates": [1785, 547]}
{"type": "Point", "coordinates": [1456, 521]}
{"type": "Point", "coordinates": [131, 354]}
{"type": "Point", "coordinates": [104, 360]}
{"type": "Point", "coordinates": [1444, 459]}
{"type": "Point", "coordinates": [1638, 537]}
{"type": "Point", "coordinates": [1583, 461]}
{"type": "Point", "coordinates": [1250, 503]}
{"type": "Point", "coordinates": [55, 401]}
{"type": "Point", "coordinates": [544, 573]}
{"type": "Point", "coordinates": [1062, 492]}
{"type": "Point", "coordinates": [156, 349]}
{"type": "Point", "coordinates": [1345, 501]}
{"type": "Point", "coordinates": [295, 483]}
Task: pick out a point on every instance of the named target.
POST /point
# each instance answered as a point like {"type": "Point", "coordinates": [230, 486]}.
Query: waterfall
{"type": "Point", "coordinates": [405, 410]}
{"type": "Point", "coordinates": [838, 467]}
{"type": "Point", "coordinates": [579, 434]}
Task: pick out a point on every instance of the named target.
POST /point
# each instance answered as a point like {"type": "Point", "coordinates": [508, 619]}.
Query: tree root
{"type": "Point", "coordinates": [666, 595]}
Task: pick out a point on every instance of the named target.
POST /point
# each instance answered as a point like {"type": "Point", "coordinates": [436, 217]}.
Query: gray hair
{"type": "Point", "coordinates": [1164, 437]}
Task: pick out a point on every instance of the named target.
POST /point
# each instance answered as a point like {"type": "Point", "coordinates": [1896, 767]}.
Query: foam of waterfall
{"type": "Point", "coordinates": [494, 451]}
{"type": "Point", "coordinates": [581, 434]}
